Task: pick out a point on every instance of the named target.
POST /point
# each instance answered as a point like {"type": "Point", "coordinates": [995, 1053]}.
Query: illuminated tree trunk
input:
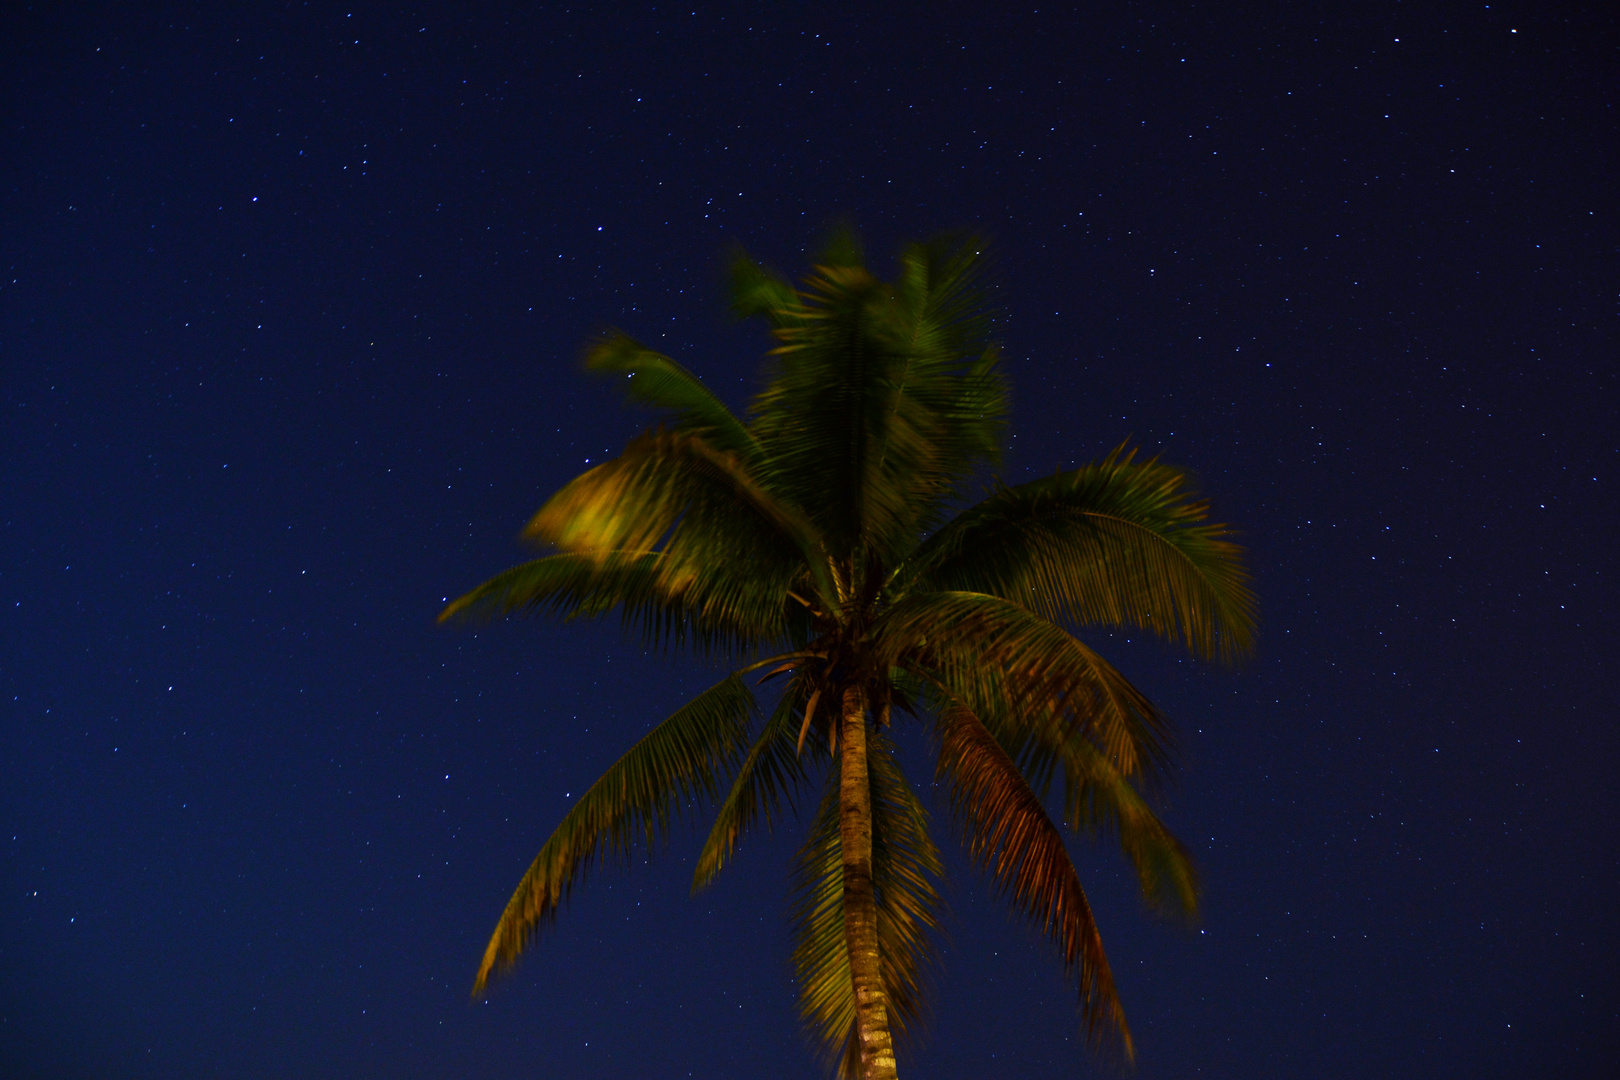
{"type": "Point", "coordinates": [860, 905]}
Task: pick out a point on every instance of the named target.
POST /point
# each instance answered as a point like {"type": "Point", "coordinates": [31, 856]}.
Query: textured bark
{"type": "Point", "coordinates": [860, 905]}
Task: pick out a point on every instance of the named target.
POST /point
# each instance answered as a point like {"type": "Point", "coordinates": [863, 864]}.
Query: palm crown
{"type": "Point", "coordinates": [814, 542]}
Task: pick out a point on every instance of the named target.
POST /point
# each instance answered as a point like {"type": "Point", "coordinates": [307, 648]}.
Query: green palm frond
{"type": "Point", "coordinates": [765, 787]}
{"type": "Point", "coordinates": [954, 373]}
{"type": "Point", "coordinates": [1114, 543]}
{"type": "Point", "coordinates": [1099, 799]}
{"type": "Point", "coordinates": [653, 379]}
{"type": "Point", "coordinates": [905, 865]}
{"type": "Point", "coordinates": [757, 292]}
{"type": "Point", "coordinates": [882, 399]}
{"type": "Point", "coordinates": [671, 606]}
{"type": "Point", "coordinates": [1009, 834]}
{"type": "Point", "coordinates": [815, 411]}
{"type": "Point", "coordinates": [841, 245]}
{"type": "Point", "coordinates": [984, 649]}
{"type": "Point", "coordinates": [683, 759]}
{"type": "Point", "coordinates": [569, 585]}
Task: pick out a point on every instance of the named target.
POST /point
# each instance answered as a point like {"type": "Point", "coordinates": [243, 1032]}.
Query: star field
{"type": "Point", "coordinates": [291, 306]}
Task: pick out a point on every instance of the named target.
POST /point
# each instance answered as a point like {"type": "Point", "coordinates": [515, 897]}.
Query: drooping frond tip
{"type": "Point", "coordinates": [765, 788]}
{"type": "Point", "coordinates": [631, 806]}
{"type": "Point", "coordinates": [1010, 835]}
{"type": "Point", "coordinates": [657, 382]}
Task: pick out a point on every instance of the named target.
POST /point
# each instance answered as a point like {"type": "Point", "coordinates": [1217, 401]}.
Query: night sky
{"type": "Point", "coordinates": [290, 319]}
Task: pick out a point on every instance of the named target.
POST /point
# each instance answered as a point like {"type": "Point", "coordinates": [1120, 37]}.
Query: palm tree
{"type": "Point", "coordinates": [813, 543]}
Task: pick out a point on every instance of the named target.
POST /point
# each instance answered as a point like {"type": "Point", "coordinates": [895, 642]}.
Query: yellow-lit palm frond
{"type": "Point", "coordinates": [701, 508]}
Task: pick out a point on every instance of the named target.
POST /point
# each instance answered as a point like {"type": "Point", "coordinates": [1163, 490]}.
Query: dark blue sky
{"type": "Point", "coordinates": [291, 307]}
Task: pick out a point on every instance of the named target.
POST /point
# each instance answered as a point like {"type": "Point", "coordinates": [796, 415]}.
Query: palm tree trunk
{"type": "Point", "coordinates": [860, 905]}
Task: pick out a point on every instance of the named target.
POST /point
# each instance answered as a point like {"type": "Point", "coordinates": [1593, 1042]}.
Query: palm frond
{"type": "Point", "coordinates": [882, 399]}
{"type": "Point", "coordinates": [984, 649]}
{"type": "Point", "coordinates": [671, 606]}
{"type": "Point", "coordinates": [1114, 543]}
{"type": "Point", "coordinates": [701, 508]}
{"type": "Point", "coordinates": [569, 585]}
{"type": "Point", "coordinates": [764, 789]}
{"type": "Point", "coordinates": [683, 759]}
{"type": "Point", "coordinates": [1097, 799]}
{"type": "Point", "coordinates": [955, 373]}
{"type": "Point", "coordinates": [1010, 835]}
{"type": "Point", "coordinates": [653, 379]}
{"type": "Point", "coordinates": [762, 293]}
{"type": "Point", "coordinates": [905, 865]}
{"type": "Point", "coordinates": [841, 245]}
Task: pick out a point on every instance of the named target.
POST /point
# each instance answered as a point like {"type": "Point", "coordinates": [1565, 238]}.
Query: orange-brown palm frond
{"type": "Point", "coordinates": [1009, 834]}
